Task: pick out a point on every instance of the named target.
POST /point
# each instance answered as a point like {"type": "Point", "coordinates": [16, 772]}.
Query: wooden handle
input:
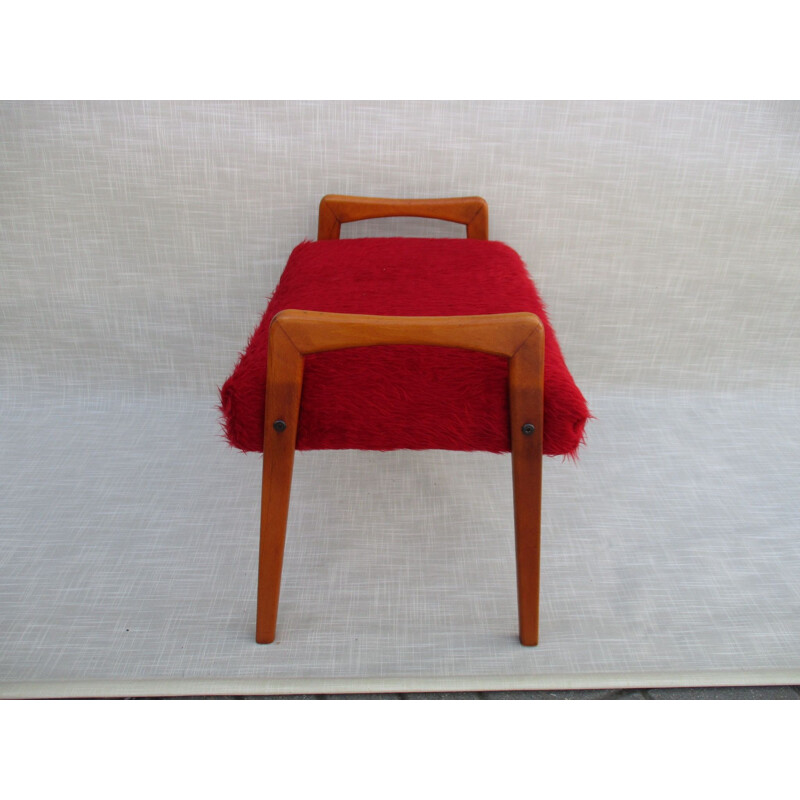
{"type": "Point", "coordinates": [334, 209]}
{"type": "Point", "coordinates": [319, 331]}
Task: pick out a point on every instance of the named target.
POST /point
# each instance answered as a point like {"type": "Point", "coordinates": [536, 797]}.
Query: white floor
{"type": "Point", "coordinates": [671, 556]}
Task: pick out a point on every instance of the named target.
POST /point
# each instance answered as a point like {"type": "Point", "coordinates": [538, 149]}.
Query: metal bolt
{"type": "Point", "coordinates": [528, 429]}
{"type": "Point", "coordinates": [279, 425]}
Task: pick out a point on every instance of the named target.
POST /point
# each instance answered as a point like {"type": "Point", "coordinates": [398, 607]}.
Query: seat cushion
{"type": "Point", "coordinates": [404, 396]}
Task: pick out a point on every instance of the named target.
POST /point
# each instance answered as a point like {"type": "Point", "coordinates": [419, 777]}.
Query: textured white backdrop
{"type": "Point", "coordinates": [139, 243]}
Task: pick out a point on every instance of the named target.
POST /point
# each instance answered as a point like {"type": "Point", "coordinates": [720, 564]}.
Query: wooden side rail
{"type": "Point", "coordinates": [334, 209]}
{"type": "Point", "coordinates": [295, 334]}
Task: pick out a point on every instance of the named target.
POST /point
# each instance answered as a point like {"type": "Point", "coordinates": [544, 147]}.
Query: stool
{"type": "Point", "coordinates": [382, 344]}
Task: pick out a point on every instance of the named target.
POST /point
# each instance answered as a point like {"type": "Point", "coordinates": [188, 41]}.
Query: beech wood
{"type": "Point", "coordinates": [294, 334]}
{"type": "Point", "coordinates": [334, 209]}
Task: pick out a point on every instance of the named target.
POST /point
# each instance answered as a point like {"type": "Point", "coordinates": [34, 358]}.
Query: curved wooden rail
{"type": "Point", "coordinates": [335, 209]}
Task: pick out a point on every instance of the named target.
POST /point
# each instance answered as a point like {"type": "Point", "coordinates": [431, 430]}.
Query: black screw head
{"type": "Point", "coordinates": [528, 429]}
{"type": "Point", "coordinates": [279, 425]}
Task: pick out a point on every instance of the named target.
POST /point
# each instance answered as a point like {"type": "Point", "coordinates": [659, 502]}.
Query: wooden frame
{"type": "Point", "coordinates": [295, 334]}
{"type": "Point", "coordinates": [334, 209]}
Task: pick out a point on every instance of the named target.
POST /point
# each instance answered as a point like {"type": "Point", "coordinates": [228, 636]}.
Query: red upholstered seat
{"type": "Point", "coordinates": [404, 396]}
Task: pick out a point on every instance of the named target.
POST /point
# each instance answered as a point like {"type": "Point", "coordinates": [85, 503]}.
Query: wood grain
{"type": "Point", "coordinates": [284, 382]}
{"type": "Point", "coordinates": [335, 209]}
{"type": "Point", "coordinates": [318, 331]}
{"type": "Point", "coordinates": [525, 388]}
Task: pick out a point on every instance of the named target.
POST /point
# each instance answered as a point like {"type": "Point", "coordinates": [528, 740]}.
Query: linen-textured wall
{"type": "Point", "coordinates": [138, 245]}
{"type": "Point", "coordinates": [140, 240]}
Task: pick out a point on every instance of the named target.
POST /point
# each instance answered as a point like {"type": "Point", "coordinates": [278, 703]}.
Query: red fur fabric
{"type": "Point", "coordinates": [404, 396]}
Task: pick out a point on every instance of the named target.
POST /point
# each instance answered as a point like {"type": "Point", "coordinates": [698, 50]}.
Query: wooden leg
{"type": "Point", "coordinates": [284, 384]}
{"type": "Point", "coordinates": [293, 334]}
{"type": "Point", "coordinates": [526, 380]}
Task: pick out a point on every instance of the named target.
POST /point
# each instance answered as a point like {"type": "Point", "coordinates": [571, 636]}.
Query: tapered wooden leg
{"type": "Point", "coordinates": [284, 384]}
{"type": "Point", "coordinates": [526, 381]}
